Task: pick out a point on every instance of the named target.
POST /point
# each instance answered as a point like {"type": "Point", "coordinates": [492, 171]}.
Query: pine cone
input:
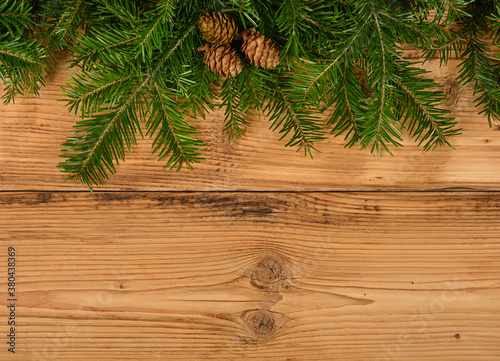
{"type": "Point", "coordinates": [260, 50]}
{"type": "Point", "coordinates": [217, 28]}
{"type": "Point", "coordinates": [222, 59]}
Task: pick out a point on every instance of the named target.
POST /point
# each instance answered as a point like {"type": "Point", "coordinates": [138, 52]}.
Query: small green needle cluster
{"type": "Point", "coordinates": [139, 72]}
{"type": "Point", "coordinates": [21, 55]}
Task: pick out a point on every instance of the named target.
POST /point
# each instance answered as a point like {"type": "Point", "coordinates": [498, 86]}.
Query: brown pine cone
{"type": "Point", "coordinates": [217, 28]}
{"type": "Point", "coordinates": [260, 50]}
{"type": "Point", "coordinates": [222, 59]}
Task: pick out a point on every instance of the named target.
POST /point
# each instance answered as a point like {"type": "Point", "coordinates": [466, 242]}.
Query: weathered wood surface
{"type": "Point", "coordinates": [184, 266]}
{"type": "Point", "coordinates": [254, 276]}
{"type": "Point", "coordinates": [33, 130]}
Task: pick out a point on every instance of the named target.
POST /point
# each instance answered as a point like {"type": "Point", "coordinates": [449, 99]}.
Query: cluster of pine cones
{"type": "Point", "coordinates": [219, 30]}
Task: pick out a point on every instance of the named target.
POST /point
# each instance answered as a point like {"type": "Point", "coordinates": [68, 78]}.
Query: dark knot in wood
{"type": "Point", "coordinates": [268, 272]}
{"type": "Point", "coordinates": [261, 322]}
{"type": "Point", "coordinates": [451, 90]}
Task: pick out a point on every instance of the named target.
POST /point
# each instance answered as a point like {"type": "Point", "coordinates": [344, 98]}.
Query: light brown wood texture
{"type": "Point", "coordinates": [32, 131]}
{"type": "Point", "coordinates": [260, 253]}
{"type": "Point", "coordinates": [237, 276]}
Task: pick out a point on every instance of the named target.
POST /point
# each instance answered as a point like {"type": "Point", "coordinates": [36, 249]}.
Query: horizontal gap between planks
{"type": "Point", "coordinates": [437, 190]}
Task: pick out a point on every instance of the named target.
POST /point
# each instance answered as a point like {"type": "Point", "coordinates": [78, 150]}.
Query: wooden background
{"type": "Point", "coordinates": [259, 254]}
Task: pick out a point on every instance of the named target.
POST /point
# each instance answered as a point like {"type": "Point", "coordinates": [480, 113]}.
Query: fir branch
{"type": "Point", "coordinates": [88, 92]}
{"type": "Point", "coordinates": [347, 107]}
{"type": "Point", "coordinates": [418, 34]}
{"type": "Point", "coordinates": [331, 68]}
{"type": "Point", "coordinates": [100, 45]}
{"type": "Point", "coordinates": [451, 44]}
{"type": "Point", "coordinates": [380, 120]}
{"type": "Point", "coordinates": [318, 25]}
{"type": "Point", "coordinates": [253, 87]}
{"type": "Point", "coordinates": [21, 58]}
{"type": "Point", "coordinates": [104, 135]}
{"type": "Point", "coordinates": [175, 138]}
{"type": "Point", "coordinates": [104, 139]}
{"type": "Point", "coordinates": [478, 67]}
{"type": "Point", "coordinates": [199, 94]}
{"type": "Point", "coordinates": [125, 11]}
{"type": "Point", "coordinates": [63, 29]}
{"type": "Point", "coordinates": [236, 112]}
{"type": "Point", "coordinates": [427, 122]}
{"type": "Point", "coordinates": [495, 26]}
{"type": "Point", "coordinates": [14, 55]}
{"type": "Point", "coordinates": [292, 117]}
{"type": "Point", "coordinates": [172, 50]}
{"type": "Point", "coordinates": [377, 137]}
{"type": "Point", "coordinates": [289, 21]}
{"type": "Point", "coordinates": [152, 35]}
{"type": "Point", "coordinates": [15, 16]}
{"type": "Point", "coordinates": [241, 97]}
{"type": "Point", "coordinates": [247, 11]}
{"type": "Point", "coordinates": [451, 10]}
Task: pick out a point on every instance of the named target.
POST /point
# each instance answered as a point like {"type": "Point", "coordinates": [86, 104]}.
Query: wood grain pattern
{"type": "Point", "coordinates": [387, 259]}
{"type": "Point", "coordinates": [254, 276]}
{"type": "Point", "coordinates": [33, 130]}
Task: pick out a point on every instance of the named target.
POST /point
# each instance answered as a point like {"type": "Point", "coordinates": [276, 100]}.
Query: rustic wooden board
{"type": "Point", "coordinates": [33, 130]}
{"type": "Point", "coordinates": [325, 274]}
{"type": "Point", "coordinates": [253, 276]}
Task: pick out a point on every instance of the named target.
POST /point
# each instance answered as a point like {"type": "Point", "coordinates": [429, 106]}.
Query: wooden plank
{"type": "Point", "coordinates": [33, 130]}
{"type": "Point", "coordinates": [253, 276]}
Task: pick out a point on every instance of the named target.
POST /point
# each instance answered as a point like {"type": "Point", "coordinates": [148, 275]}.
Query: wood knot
{"type": "Point", "coordinates": [261, 322]}
{"type": "Point", "coordinates": [269, 272]}
{"type": "Point", "coordinates": [450, 88]}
